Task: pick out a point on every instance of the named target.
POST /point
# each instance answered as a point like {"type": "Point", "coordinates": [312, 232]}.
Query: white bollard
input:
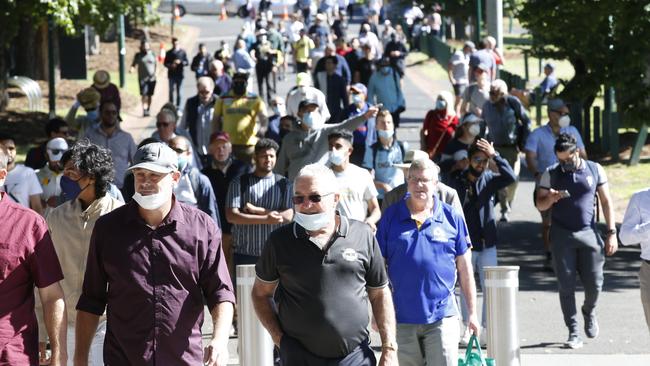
{"type": "Point", "coordinates": [255, 343]}
{"type": "Point", "coordinates": [501, 286]}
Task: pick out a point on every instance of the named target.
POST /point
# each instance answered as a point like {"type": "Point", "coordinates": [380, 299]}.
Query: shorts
{"type": "Point", "coordinates": [147, 88]}
{"type": "Point", "coordinates": [302, 67]}
{"type": "Point", "coordinates": [459, 89]}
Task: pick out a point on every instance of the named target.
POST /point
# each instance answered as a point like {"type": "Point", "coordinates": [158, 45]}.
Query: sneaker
{"type": "Point", "coordinates": [591, 324]}
{"type": "Point", "coordinates": [464, 340]}
{"type": "Point", "coordinates": [482, 339]}
{"type": "Point", "coordinates": [574, 341]}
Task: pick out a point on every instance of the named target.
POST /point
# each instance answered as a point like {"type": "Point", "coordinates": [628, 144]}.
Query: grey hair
{"type": "Point", "coordinates": [419, 165]}
{"type": "Point", "coordinates": [500, 85]}
{"type": "Point", "coordinates": [169, 113]}
{"type": "Point", "coordinates": [4, 158]}
{"type": "Point", "coordinates": [318, 172]}
{"type": "Point", "coordinates": [205, 81]}
{"type": "Point", "coordinates": [183, 140]}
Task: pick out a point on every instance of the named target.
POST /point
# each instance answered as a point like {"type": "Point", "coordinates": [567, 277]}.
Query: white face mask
{"type": "Point", "coordinates": [156, 200]}
{"type": "Point", "coordinates": [336, 157]}
{"type": "Point", "coordinates": [564, 121]}
{"type": "Point", "coordinates": [474, 130]}
{"type": "Point", "coordinates": [312, 222]}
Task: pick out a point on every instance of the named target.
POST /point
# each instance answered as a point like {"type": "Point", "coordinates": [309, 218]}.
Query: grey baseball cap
{"type": "Point", "coordinates": [156, 157]}
{"type": "Point", "coordinates": [555, 104]}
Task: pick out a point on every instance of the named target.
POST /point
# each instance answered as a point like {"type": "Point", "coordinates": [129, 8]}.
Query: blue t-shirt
{"type": "Point", "coordinates": [542, 142]}
{"type": "Point", "coordinates": [422, 262]}
{"type": "Point", "coordinates": [383, 162]}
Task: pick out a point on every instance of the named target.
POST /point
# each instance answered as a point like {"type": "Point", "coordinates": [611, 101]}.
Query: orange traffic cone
{"type": "Point", "coordinates": [162, 53]}
{"type": "Point", "coordinates": [285, 13]}
{"type": "Point", "coordinates": [224, 14]}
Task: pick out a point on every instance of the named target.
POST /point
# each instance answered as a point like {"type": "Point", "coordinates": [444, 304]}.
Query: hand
{"type": "Point", "coordinates": [177, 61]}
{"type": "Point", "coordinates": [372, 225]}
{"type": "Point", "coordinates": [472, 323]}
{"type": "Point", "coordinates": [479, 111]}
{"type": "Point", "coordinates": [554, 195]}
{"type": "Point", "coordinates": [216, 353]}
{"type": "Point", "coordinates": [371, 112]}
{"type": "Point", "coordinates": [277, 338]}
{"type": "Point", "coordinates": [486, 147]}
{"type": "Point", "coordinates": [388, 357]}
{"type": "Point", "coordinates": [274, 217]}
{"type": "Point", "coordinates": [43, 357]}
{"type": "Point", "coordinates": [611, 245]}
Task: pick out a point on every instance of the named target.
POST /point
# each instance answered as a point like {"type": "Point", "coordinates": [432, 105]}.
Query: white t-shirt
{"type": "Point", "coordinates": [356, 187]}
{"type": "Point", "coordinates": [21, 183]}
{"type": "Point", "coordinates": [460, 67]}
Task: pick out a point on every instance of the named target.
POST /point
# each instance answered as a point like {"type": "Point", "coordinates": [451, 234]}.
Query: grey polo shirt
{"type": "Point", "coordinates": [121, 145]}
{"type": "Point", "coordinates": [322, 294]}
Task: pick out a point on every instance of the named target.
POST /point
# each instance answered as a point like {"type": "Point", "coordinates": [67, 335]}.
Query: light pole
{"type": "Point", "coordinates": [121, 49]}
{"type": "Point", "coordinates": [479, 10]}
{"type": "Point", "coordinates": [51, 82]}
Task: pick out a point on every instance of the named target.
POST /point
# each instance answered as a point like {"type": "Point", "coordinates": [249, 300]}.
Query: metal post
{"type": "Point", "coordinates": [173, 15]}
{"type": "Point", "coordinates": [526, 66]}
{"type": "Point", "coordinates": [614, 121]}
{"type": "Point", "coordinates": [255, 343]}
{"type": "Point", "coordinates": [51, 82]}
{"type": "Point", "coordinates": [501, 286]}
{"type": "Point", "coordinates": [479, 16]}
{"type": "Point", "coordinates": [538, 105]}
{"type": "Point", "coordinates": [121, 49]}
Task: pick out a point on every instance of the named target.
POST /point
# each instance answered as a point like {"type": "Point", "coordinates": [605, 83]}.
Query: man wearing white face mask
{"type": "Point", "coordinates": [151, 265]}
{"type": "Point", "coordinates": [540, 154]}
{"type": "Point", "coordinates": [352, 274]}
{"type": "Point", "coordinates": [307, 141]}
{"type": "Point", "coordinates": [357, 189]}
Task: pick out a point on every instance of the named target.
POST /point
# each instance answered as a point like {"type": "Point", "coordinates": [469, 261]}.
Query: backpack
{"type": "Point", "coordinates": [522, 130]}
{"type": "Point", "coordinates": [245, 182]}
{"type": "Point", "coordinates": [375, 150]}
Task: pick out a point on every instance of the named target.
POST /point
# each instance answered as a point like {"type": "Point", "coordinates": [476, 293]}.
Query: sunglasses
{"type": "Point", "coordinates": [57, 151]}
{"type": "Point", "coordinates": [314, 198]}
{"type": "Point", "coordinates": [479, 160]}
{"type": "Point", "coordinates": [178, 150]}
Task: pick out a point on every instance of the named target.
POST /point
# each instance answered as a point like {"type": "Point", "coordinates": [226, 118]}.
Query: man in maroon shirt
{"type": "Point", "coordinates": [27, 259]}
{"type": "Point", "coordinates": [152, 263]}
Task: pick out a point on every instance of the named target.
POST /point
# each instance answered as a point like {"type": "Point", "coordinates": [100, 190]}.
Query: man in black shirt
{"type": "Point", "coordinates": [175, 62]}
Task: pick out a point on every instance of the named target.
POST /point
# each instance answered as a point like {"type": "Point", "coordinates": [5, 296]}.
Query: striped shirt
{"type": "Point", "coordinates": [272, 193]}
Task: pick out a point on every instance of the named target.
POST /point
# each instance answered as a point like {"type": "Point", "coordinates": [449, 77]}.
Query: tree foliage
{"type": "Point", "coordinates": [607, 42]}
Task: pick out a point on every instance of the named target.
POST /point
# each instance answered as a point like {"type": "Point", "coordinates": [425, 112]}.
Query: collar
{"type": "Point", "coordinates": [342, 230]}
{"type": "Point", "coordinates": [404, 214]}
{"type": "Point", "coordinates": [174, 215]}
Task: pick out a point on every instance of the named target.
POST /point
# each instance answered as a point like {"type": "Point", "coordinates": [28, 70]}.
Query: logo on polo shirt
{"type": "Point", "coordinates": [350, 254]}
{"type": "Point", "coordinates": [439, 234]}
{"type": "Point", "coordinates": [590, 180]}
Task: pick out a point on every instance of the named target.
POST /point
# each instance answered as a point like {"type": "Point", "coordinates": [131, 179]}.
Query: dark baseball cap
{"type": "Point", "coordinates": [157, 157]}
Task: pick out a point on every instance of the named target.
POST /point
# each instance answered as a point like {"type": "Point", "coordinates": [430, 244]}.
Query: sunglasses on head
{"type": "Point", "coordinates": [314, 198]}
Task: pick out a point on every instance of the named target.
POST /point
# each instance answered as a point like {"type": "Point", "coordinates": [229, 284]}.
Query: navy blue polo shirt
{"type": "Point", "coordinates": [322, 295]}
{"type": "Point", "coordinates": [422, 261]}
{"type": "Point", "coordinates": [575, 213]}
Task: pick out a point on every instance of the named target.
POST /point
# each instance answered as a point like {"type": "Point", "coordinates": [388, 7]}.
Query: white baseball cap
{"type": "Point", "coordinates": [56, 147]}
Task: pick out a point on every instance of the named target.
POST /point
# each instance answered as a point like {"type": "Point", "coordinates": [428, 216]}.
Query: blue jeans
{"type": "Point", "coordinates": [486, 257]}
{"type": "Point", "coordinates": [428, 344]}
{"type": "Point", "coordinates": [175, 84]}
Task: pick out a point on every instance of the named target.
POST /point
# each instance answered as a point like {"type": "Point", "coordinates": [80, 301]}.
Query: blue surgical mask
{"type": "Point", "coordinates": [357, 99]}
{"type": "Point", "coordinates": [70, 188]}
{"type": "Point", "coordinates": [385, 134]}
{"type": "Point", "coordinates": [93, 115]}
{"type": "Point", "coordinates": [336, 157]}
{"type": "Point", "coordinates": [441, 104]}
{"type": "Point", "coordinates": [314, 221]}
{"type": "Point", "coordinates": [182, 162]}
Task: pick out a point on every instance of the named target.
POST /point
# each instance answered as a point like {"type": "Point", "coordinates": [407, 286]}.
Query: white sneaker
{"type": "Point", "coordinates": [482, 340]}
{"type": "Point", "coordinates": [464, 340]}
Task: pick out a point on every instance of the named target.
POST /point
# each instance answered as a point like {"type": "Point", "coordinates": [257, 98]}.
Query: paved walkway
{"type": "Point", "coordinates": [624, 339]}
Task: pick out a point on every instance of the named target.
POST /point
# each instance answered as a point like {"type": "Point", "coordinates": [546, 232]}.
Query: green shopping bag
{"type": "Point", "coordinates": [473, 355]}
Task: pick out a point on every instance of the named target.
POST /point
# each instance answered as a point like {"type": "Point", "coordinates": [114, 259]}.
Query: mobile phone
{"type": "Point", "coordinates": [379, 105]}
{"type": "Point", "coordinates": [565, 194]}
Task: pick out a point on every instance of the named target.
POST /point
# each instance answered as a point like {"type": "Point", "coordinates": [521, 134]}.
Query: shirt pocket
{"type": "Point", "coordinates": [8, 263]}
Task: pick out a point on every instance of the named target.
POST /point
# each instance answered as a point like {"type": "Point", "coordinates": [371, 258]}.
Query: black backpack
{"type": "Point", "coordinates": [375, 150]}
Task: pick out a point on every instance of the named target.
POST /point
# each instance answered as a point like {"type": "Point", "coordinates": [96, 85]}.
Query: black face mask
{"type": "Point", "coordinates": [475, 173]}
{"type": "Point", "coordinates": [239, 88]}
{"type": "Point", "coordinates": [569, 166]}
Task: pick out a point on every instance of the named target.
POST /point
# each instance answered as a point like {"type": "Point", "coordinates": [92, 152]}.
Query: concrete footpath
{"type": "Point", "coordinates": [624, 338]}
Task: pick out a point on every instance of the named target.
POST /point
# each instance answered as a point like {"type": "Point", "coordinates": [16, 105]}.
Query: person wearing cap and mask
{"type": "Point", "coordinates": [108, 91]}
{"type": "Point", "coordinates": [385, 87]}
{"type": "Point", "coordinates": [155, 253]}
{"type": "Point", "coordinates": [50, 175]}
{"type": "Point", "coordinates": [292, 262]}
{"type": "Point", "coordinates": [307, 142]}
{"type": "Point", "coordinates": [540, 155]}
{"type": "Point", "coordinates": [364, 135]}
{"type": "Point", "coordinates": [439, 125]}
{"type": "Point", "coordinates": [454, 155]}
{"type": "Point", "coordinates": [570, 188]}
{"type": "Point", "coordinates": [37, 157]}
{"type": "Point", "coordinates": [21, 183]}
{"type": "Point", "coordinates": [109, 135]}
{"type": "Point", "coordinates": [476, 187]}
{"type": "Point", "coordinates": [193, 187]}
{"type": "Point", "coordinates": [302, 91]}
{"type": "Point", "coordinates": [242, 115]}
{"type": "Point", "coordinates": [358, 195]}
{"type": "Point", "coordinates": [86, 182]}
{"type": "Point", "coordinates": [458, 71]}
{"type": "Point", "coordinates": [445, 193]}
{"type": "Point", "coordinates": [508, 128]}
{"type": "Point", "coordinates": [88, 99]}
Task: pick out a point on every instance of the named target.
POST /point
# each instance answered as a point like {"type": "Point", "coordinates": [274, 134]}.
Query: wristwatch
{"type": "Point", "coordinates": [391, 346]}
{"type": "Point", "coordinates": [610, 232]}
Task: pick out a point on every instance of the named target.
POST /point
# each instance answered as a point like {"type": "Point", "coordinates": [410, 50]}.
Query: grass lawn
{"type": "Point", "coordinates": [624, 181]}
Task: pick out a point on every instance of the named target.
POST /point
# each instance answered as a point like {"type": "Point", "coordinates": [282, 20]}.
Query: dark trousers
{"type": "Point", "coordinates": [579, 253]}
{"type": "Point", "coordinates": [292, 353]}
{"type": "Point", "coordinates": [302, 67]}
{"type": "Point", "coordinates": [175, 85]}
{"type": "Point", "coordinates": [396, 118]}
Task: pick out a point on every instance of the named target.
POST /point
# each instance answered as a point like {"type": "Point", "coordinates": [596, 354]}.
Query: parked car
{"type": "Point", "coordinates": [192, 6]}
{"type": "Point", "coordinates": [277, 6]}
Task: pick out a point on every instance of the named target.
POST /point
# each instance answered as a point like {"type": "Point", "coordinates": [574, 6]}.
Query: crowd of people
{"type": "Point", "coordinates": [127, 243]}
